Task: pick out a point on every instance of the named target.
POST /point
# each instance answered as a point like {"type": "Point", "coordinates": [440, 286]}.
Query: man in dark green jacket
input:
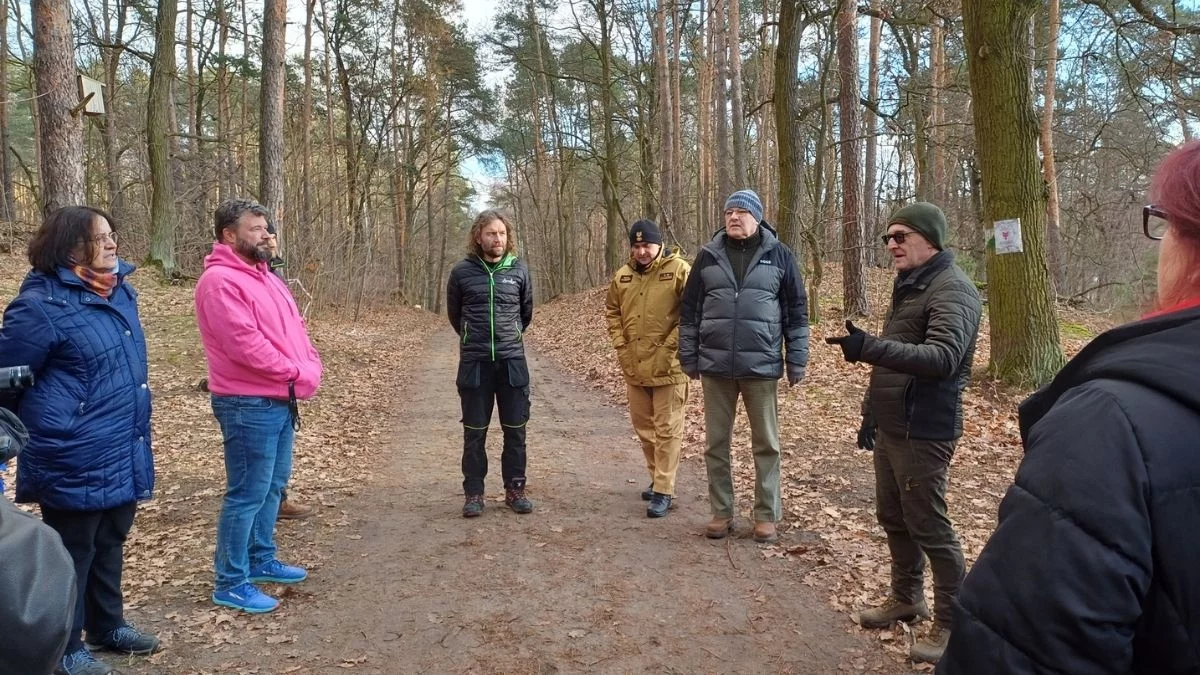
{"type": "Point", "coordinates": [912, 416]}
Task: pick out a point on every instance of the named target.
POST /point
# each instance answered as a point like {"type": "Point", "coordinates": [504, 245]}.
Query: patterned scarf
{"type": "Point", "coordinates": [100, 283]}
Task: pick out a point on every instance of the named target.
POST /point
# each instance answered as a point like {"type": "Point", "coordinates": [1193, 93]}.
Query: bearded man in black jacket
{"type": "Point", "coordinates": [489, 300]}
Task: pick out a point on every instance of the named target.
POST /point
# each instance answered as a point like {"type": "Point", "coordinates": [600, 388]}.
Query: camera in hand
{"type": "Point", "coordinates": [15, 378]}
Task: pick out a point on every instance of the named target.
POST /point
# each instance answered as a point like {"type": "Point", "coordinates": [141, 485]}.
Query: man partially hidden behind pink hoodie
{"type": "Point", "coordinates": [260, 361]}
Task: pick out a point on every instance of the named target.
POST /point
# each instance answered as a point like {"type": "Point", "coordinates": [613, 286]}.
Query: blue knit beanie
{"type": "Point", "coordinates": [748, 200]}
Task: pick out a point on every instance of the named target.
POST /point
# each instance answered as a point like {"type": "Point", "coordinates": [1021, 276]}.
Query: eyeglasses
{"type": "Point", "coordinates": [898, 236]}
{"type": "Point", "coordinates": [106, 236]}
{"type": "Point", "coordinates": [1156, 229]}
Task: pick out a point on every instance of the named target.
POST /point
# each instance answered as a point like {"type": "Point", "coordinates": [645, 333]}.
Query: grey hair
{"type": "Point", "coordinates": [231, 211]}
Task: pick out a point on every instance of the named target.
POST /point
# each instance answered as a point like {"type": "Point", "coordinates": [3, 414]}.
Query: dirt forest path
{"type": "Point", "coordinates": [585, 584]}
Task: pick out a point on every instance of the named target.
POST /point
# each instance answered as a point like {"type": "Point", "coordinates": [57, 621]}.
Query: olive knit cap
{"type": "Point", "coordinates": [924, 218]}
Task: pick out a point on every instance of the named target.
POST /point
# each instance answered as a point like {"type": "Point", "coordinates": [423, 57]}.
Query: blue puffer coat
{"type": "Point", "coordinates": [88, 413]}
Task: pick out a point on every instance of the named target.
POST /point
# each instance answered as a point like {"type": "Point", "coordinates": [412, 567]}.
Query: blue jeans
{"type": "Point", "coordinates": [258, 438]}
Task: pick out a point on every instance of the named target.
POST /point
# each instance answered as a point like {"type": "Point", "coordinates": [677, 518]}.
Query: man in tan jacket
{"type": "Point", "coordinates": [642, 312]}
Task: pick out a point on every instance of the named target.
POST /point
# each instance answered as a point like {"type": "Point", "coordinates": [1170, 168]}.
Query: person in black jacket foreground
{"type": "Point", "coordinates": [489, 300]}
{"type": "Point", "coordinates": [743, 324]}
{"type": "Point", "coordinates": [1094, 566]}
{"type": "Point", "coordinates": [912, 417]}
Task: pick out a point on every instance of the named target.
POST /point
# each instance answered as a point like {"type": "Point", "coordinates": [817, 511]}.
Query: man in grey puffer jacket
{"type": "Point", "coordinates": [912, 417]}
{"type": "Point", "coordinates": [744, 306]}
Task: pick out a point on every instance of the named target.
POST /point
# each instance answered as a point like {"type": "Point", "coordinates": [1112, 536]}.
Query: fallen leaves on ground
{"type": "Point", "coordinates": [827, 483]}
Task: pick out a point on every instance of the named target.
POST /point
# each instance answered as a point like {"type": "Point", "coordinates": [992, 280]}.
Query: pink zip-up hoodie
{"type": "Point", "coordinates": [253, 334]}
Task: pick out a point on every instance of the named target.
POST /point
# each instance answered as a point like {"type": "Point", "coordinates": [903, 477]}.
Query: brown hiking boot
{"type": "Point", "coordinates": [891, 611]}
{"type": "Point", "coordinates": [290, 509]}
{"type": "Point", "coordinates": [764, 532]}
{"type": "Point", "coordinates": [930, 648]}
{"type": "Point", "coordinates": [718, 527]}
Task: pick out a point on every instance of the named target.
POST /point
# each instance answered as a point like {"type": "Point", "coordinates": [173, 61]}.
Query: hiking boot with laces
{"type": "Point", "coordinates": [81, 662]}
{"type": "Point", "coordinates": [126, 640]}
{"type": "Point", "coordinates": [648, 493]}
{"type": "Point", "coordinates": [659, 505]}
{"type": "Point", "coordinates": [718, 527]}
{"type": "Point", "coordinates": [891, 611]}
{"type": "Point", "coordinates": [515, 499]}
{"type": "Point", "coordinates": [473, 506]}
{"type": "Point", "coordinates": [929, 649]}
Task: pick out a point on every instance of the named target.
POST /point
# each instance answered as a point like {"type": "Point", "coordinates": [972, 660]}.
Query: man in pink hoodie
{"type": "Point", "coordinates": [260, 361]}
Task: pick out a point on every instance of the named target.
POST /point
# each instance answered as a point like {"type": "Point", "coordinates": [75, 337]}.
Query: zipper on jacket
{"type": "Point", "coordinates": [492, 310]}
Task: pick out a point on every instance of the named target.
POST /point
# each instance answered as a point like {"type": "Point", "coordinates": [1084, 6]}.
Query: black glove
{"type": "Point", "coordinates": [692, 373]}
{"type": "Point", "coordinates": [866, 433]}
{"type": "Point", "coordinates": [794, 374]}
{"type": "Point", "coordinates": [851, 344]}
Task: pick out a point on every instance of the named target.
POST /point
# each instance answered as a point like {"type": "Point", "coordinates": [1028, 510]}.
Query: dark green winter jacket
{"type": "Point", "coordinates": [922, 360]}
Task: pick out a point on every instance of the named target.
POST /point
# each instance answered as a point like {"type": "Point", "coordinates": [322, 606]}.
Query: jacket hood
{"type": "Point", "coordinates": [1158, 353]}
{"type": "Point", "coordinates": [223, 255]}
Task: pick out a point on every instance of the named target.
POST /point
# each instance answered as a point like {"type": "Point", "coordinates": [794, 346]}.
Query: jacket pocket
{"type": "Point", "coordinates": [625, 359]}
{"type": "Point", "coordinates": [464, 331]}
{"type": "Point", "coordinates": [468, 375]}
{"type": "Point", "coordinates": [666, 358]}
{"type": "Point", "coordinates": [517, 331]}
{"type": "Point", "coordinates": [910, 399]}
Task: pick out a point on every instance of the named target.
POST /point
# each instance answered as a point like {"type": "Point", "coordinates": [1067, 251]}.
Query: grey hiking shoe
{"type": "Point", "coordinates": [515, 499]}
{"type": "Point", "coordinates": [891, 611]}
{"type": "Point", "coordinates": [929, 649]}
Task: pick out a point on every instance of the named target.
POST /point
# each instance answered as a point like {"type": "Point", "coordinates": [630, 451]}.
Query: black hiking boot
{"type": "Point", "coordinates": [648, 493]}
{"type": "Point", "coordinates": [473, 506]}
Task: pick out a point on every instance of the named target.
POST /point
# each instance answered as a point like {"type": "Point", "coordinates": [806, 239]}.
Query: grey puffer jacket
{"type": "Point", "coordinates": [740, 331]}
{"type": "Point", "coordinates": [923, 357]}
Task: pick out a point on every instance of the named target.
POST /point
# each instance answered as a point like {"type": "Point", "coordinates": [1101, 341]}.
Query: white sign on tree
{"type": "Point", "coordinates": [1008, 236]}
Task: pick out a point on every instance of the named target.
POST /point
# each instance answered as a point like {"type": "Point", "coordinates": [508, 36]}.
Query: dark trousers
{"type": "Point", "coordinates": [96, 542]}
{"type": "Point", "coordinates": [482, 384]}
{"type": "Point", "coordinates": [910, 496]}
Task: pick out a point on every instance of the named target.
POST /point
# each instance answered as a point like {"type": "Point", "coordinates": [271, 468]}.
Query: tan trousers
{"type": "Point", "coordinates": [657, 415]}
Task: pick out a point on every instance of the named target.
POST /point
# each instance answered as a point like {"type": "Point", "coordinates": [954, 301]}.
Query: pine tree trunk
{"type": "Point", "coordinates": [614, 240]}
{"type": "Point", "coordinates": [789, 143]}
{"type": "Point", "coordinates": [270, 153]}
{"type": "Point", "coordinates": [158, 133]}
{"type": "Point", "coordinates": [666, 130]}
{"type": "Point", "coordinates": [738, 114]}
{"type": "Point", "coordinates": [61, 133]}
{"type": "Point", "coordinates": [937, 134]}
{"type": "Point", "coordinates": [306, 197]}
{"type": "Point", "coordinates": [110, 56]}
{"type": "Point", "coordinates": [1054, 244]}
{"type": "Point", "coordinates": [7, 200]}
{"type": "Point", "coordinates": [1024, 328]}
{"type": "Point", "coordinates": [871, 214]}
{"type": "Point", "coordinates": [721, 102]}
{"type": "Point", "coordinates": [854, 288]}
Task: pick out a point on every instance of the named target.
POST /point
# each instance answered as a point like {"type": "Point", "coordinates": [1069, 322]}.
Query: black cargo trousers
{"type": "Point", "coordinates": [482, 384]}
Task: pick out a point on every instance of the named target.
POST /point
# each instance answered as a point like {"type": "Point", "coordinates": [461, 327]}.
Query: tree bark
{"type": "Point", "coordinates": [61, 134]}
{"type": "Point", "coordinates": [666, 127]}
{"type": "Point", "coordinates": [937, 107]}
{"type": "Point", "coordinates": [6, 182]}
{"type": "Point", "coordinates": [158, 132]}
{"type": "Point", "coordinates": [614, 239]}
{"type": "Point", "coordinates": [270, 153]}
{"type": "Point", "coordinates": [854, 287]}
{"type": "Point", "coordinates": [720, 101]}
{"type": "Point", "coordinates": [738, 113]}
{"type": "Point", "coordinates": [871, 123]}
{"type": "Point", "coordinates": [1054, 242]}
{"type": "Point", "coordinates": [1024, 328]}
{"type": "Point", "coordinates": [787, 127]}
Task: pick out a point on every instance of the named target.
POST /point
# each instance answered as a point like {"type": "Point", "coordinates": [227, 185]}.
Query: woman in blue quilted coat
{"type": "Point", "coordinates": [88, 461]}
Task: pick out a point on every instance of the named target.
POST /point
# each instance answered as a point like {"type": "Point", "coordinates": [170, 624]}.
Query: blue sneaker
{"type": "Point", "coordinates": [81, 662]}
{"type": "Point", "coordinates": [275, 572]}
{"type": "Point", "coordinates": [247, 598]}
{"type": "Point", "coordinates": [125, 639]}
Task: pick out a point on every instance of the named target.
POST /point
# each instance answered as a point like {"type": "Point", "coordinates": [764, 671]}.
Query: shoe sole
{"type": "Point", "coordinates": [913, 618]}
{"type": "Point", "coordinates": [248, 610]}
{"type": "Point", "coordinates": [521, 511]}
{"type": "Point", "coordinates": [767, 540]}
{"type": "Point", "coordinates": [472, 514]}
{"type": "Point", "coordinates": [108, 648]}
{"type": "Point", "coordinates": [276, 580]}
{"type": "Point", "coordinates": [292, 517]}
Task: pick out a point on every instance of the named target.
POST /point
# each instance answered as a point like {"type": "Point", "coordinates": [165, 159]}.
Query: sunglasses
{"type": "Point", "coordinates": [898, 236]}
{"type": "Point", "coordinates": [1157, 228]}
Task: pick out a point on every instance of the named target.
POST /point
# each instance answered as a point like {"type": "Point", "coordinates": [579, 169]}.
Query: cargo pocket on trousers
{"type": "Point", "coordinates": [468, 375]}
{"type": "Point", "coordinates": [518, 373]}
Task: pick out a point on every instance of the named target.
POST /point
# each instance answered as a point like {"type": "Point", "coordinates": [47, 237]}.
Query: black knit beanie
{"type": "Point", "coordinates": [644, 232]}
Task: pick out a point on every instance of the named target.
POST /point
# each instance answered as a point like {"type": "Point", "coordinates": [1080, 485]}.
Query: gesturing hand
{"type": "Point", "coordinates": [851, 344]}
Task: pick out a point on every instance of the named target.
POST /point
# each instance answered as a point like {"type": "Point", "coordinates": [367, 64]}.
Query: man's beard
{"type": "Point", "coordinates": [260, 253]}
